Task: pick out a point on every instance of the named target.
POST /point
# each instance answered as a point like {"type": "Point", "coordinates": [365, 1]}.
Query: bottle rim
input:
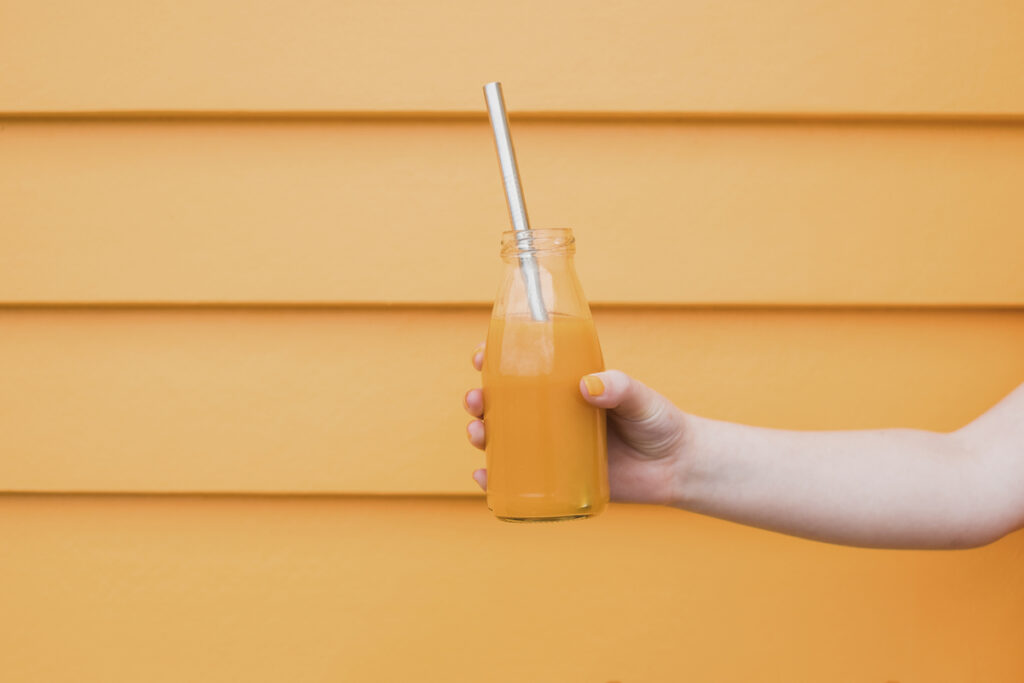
{"type": "Point", "coordinates": [538, 241]}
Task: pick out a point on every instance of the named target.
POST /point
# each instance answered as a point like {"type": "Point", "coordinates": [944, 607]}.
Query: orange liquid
{"type": "Point", "coordinates": [546, 447]}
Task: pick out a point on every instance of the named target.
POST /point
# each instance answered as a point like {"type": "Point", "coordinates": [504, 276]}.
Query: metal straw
{"type": "Point", "coordinates": [516, 204]}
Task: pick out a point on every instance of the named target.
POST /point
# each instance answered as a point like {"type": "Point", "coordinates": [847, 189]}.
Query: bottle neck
{"type": "Point", "coordinates": [540, 261]}
{"type": "Point", "coordinates": [537, 244]}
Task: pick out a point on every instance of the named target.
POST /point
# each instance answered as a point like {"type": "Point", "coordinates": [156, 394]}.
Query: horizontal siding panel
{"type": "Point", "coordinates": [367, 401]}
{"type": "Point", "coordinates": [321, 589]}
{"type": "Point", "coordinates": [410, 211]}
{"type": "Point", "coordinates": [652, 56]}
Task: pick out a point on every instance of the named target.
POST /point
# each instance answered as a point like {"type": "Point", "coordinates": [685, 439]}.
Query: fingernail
{"type": "Point", "coordinates": [478, 349]}
{"type": "Point", "coordinates": [594, 385]}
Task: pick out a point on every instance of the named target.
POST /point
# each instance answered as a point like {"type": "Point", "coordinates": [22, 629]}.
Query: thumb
{"type": "Point", "coordinates": [616, 391]}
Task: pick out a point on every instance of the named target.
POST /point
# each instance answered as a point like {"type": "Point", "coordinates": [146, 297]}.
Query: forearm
{"type": "Point", "coordinates": [884, 488]}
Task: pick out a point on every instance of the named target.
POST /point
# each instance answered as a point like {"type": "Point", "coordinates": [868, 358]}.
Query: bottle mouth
{"type": "Point", "coordinates": [542, 241]}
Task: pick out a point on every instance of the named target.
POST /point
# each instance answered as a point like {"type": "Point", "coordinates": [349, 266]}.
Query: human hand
{"type": "Point", "coordinates": [646, 435]}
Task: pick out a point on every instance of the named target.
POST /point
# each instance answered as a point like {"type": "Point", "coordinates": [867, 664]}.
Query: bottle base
{"type": "Point", "coordinates": [559, 518]}
{"type": "Point", "coordinates": [521, 511]}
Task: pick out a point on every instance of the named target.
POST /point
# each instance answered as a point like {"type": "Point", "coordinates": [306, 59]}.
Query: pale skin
{"type": "Point", "coordinates": [885, 488]}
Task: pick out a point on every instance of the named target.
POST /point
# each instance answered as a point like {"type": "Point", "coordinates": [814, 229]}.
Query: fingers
{"type": "Point", "coordinates": [473, 402]}
{"type": "Point", "coordinates": [475, 434]}
{"type": "Point", "coordinates": [615, 390]}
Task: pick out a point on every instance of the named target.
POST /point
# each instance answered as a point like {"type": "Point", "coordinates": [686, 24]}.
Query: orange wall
{"type": "Point", "coordinates": [697, 56]}
{"type": "Point", "coordinates": [131, 588]}
{"type": "Point", "coordinates": [343, 210]}
{"type": "Point", "coordinates": [246, 249]}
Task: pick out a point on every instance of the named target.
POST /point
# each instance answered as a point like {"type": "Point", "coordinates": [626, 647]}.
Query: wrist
{"type": "Point", "coordinates": [688, 472]}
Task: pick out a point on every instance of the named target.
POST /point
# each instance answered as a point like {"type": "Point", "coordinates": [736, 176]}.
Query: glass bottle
{"type": "Point", "coordinates": [546, 446]}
